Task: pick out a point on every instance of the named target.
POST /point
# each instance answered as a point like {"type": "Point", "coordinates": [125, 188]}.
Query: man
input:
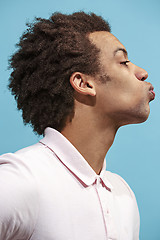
{"type": "Point", "coordinates": [74, 83]}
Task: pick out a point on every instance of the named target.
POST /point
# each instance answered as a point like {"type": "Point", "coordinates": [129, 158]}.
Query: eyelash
{"type": "Point", "coordinates": [125, 63]}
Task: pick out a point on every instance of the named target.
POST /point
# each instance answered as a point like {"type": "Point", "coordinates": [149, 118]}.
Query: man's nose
{"type": "Point", "coordinates": [141, 74]}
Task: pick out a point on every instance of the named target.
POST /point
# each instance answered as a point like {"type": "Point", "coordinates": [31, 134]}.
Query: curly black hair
{"type": "Point", "coordinates": [49, 51]}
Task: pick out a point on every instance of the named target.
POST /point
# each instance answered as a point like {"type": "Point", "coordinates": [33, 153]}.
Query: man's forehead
{"type": "Point", "coordinates": [105, 40]}
{"type": "Point", "coordinates": [101, 35]}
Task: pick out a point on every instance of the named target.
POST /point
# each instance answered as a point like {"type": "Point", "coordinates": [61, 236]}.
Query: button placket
{"type": "Point", "coordinates": [106, 201]}
{"type": "Point", "coordinates": [97, 185]}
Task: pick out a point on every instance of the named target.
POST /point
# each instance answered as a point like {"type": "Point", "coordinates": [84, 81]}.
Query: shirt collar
{"type": "Point", "coordinates": [72, 159]}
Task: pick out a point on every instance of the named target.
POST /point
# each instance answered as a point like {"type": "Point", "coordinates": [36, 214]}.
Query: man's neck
{"type": "Point", "coordinates": [92, 142]}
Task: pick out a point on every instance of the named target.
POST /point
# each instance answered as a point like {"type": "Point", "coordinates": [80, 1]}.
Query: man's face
{"type": "Point", "coordinates": [125, 97]}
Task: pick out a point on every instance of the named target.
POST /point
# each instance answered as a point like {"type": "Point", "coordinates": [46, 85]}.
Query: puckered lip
{"type": "Point", "coordinates": [152, 93]}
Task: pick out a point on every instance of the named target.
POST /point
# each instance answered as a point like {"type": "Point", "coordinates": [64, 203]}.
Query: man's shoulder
{"type": "Point", "coordinates": [24, 155]}
{"type": "Point", "coordinates": [34, 149]}
{"type": "Point", "coordinates": [32, 163]}
{"type": "Point", "coordinates": [18, 169]}
{"type": "Point", "coordinates": [19, 195]}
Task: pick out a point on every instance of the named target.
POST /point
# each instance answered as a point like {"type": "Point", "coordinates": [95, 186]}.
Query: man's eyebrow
{"type": "Point", "coordinates": [121, 49]}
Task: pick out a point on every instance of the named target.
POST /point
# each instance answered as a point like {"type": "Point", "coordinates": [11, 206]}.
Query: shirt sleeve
{"type": "Point", "coordinates": [18, 199]}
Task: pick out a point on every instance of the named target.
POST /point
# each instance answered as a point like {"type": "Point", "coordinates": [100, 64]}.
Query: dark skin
{"type": "Point", "coordinates": [101, 108]}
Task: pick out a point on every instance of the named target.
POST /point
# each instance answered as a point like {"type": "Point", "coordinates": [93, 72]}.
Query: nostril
{"type": "Point", "coordinates": [141, 74]}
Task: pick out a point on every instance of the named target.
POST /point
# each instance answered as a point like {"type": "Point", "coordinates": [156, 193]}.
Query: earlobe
{"type": "Point", "coordinates": [83, 84]}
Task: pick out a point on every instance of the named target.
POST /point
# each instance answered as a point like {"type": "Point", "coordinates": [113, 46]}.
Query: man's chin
{"type": "Point", "coordinates": [144, 116]}
{"type": "Point", "coordinates": [138, 118]}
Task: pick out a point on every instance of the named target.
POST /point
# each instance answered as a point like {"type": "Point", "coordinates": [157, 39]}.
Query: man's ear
{"type": "Point", "coordinates": [83, 84]}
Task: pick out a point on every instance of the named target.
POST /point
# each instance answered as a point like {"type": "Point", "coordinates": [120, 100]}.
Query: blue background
{"type": "Point", "coordinates": [135, 152]}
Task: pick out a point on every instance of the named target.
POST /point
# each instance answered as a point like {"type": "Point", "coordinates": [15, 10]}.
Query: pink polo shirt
{"type": "Point", "coordinates": [48, 191]}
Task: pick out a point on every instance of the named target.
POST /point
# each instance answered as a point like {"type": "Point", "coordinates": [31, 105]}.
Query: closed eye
{"type": "Point", "coordinates": [125, 63]}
